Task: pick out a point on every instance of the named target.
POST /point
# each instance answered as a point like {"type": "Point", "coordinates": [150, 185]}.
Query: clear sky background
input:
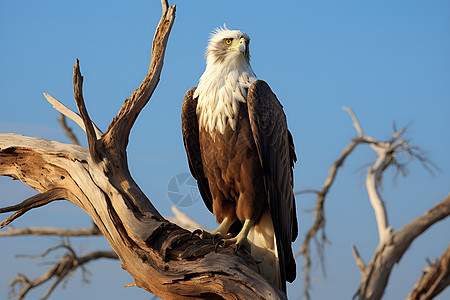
{"type": "Point", "coordinates": [387, 60]}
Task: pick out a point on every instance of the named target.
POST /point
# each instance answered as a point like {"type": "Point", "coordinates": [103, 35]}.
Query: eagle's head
{"type": "Point", "coordinates": [228, 46]}
{"type": "Point", "coordinates": [226, 80]}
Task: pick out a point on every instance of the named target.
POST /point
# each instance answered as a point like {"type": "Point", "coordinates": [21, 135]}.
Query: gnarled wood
{"type": "Point", "coordinates": [161, 257]}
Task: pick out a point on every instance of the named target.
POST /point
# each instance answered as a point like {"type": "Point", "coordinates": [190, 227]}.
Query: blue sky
{"type": "Point", "coordinates": [387, 60]}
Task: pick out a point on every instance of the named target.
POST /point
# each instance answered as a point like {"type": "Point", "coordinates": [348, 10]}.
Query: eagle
{"type": "Point", "coordinates": [242, 155]}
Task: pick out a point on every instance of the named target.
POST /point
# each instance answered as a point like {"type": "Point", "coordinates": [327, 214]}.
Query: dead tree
{"type": "Point", "coordinates": [392, 244]}
{"type": "Point", "coordinates": [162, 257]}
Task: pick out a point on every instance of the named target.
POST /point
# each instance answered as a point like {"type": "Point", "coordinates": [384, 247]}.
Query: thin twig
{"type": "Point", "coordinates": [67, 130]}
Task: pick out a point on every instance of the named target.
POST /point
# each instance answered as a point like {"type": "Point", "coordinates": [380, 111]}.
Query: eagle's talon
{"type": "Point", "coordinates": [219, 237]}
{"type": "Point", "coordinates": [216, 238]}
{"type": "Point", "coordinates": [196, 232]}
{"type": "Point", "coordinates": [219, 244]}
{"type": "Point", "coordinates": [242, 244]}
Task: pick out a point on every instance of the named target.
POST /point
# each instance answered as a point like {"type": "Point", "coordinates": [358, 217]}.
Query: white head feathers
{"type": "Point", "coordinates": [225, 81]}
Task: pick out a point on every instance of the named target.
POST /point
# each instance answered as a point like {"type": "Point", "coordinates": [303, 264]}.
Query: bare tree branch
{"type": "Point", "coordinates": [71, 114]}
{"type": "Point", "coordinates": [373, 177]}
{"type": "Point", "coordinates": [78, 95]}
{"type": "Point", "coordinates": [119, 129]}
{"type": "Point", "coordinates": [63, 269]}
{"type": "Point", "coordinates": [377, 272]}
{"type": "Point", "coordinates": [387, 152]}
{"type": "Point", "coordinates": [319, 213]}
{"type": "Point", "coordinates": [359, 262]}
{"type": "Point", "coordinates": [32, 202]}
{"type": "Point", "coordinates": [93, 231]}
{"type": "Point", "coordinates": [67, 130]}
{"type": "Point", "coordinates": [355, 121]}
{"type": "Point", "coordinates": [435, 278]}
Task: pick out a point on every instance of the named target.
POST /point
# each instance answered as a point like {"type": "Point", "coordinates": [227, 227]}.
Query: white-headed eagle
{"type": "Point", "coordinates": [241, 153]}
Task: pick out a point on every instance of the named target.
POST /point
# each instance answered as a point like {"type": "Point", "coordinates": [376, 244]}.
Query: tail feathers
{"type": "Point", "coordinates": [264, 248]}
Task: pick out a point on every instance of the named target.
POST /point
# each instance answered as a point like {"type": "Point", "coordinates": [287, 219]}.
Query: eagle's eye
{"type": "Point", "coordinates": [228, 41]}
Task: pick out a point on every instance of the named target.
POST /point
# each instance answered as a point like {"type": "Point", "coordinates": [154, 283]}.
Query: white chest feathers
{"type": "Point", "coordinates": [219, 97]}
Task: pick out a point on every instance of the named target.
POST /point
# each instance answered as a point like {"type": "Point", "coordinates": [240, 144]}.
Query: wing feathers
{"type": "Point", "coordinates": [189, 127]}
{"type": "Point", "coordinates": [277, 155]}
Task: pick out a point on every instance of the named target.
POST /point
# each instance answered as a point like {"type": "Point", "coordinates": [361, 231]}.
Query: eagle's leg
{"type": "Point", "coordinates": [220, 233]}
{"type": "Point", "coordinates": [241, 239]}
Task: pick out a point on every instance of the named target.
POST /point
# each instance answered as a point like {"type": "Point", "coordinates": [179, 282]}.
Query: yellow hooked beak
{"type": "Point", "coordinates": [241, 41]}
{"type": "Point", "coordinates": [242, 46]}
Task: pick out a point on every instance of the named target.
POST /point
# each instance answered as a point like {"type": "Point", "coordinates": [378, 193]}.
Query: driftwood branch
{"type": "Point", "coordinates": [162, 257]}
{"type": "Point", "coordinates": [435, 278]}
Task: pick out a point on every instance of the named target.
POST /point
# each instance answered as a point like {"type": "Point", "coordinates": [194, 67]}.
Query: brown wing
{"type": "Point", "coordinates": [189, 127]}
{"type": "Point", "coordinates": [277, 155]}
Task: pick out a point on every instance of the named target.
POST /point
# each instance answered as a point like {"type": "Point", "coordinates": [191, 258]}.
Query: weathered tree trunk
{"type": "Point", "coordinates": [161, 257]}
